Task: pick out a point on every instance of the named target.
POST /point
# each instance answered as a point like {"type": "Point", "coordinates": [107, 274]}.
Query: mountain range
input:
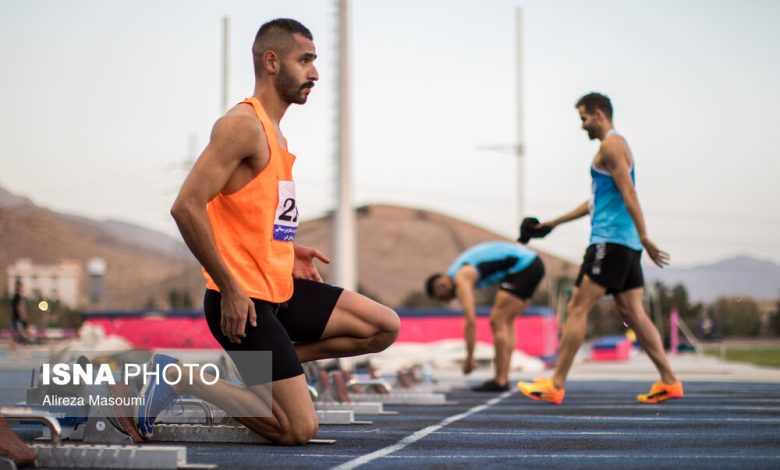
{"type": "Point", "coordinates": [398, 247]}
{"type": "Point", "coordinates": [740, 275]}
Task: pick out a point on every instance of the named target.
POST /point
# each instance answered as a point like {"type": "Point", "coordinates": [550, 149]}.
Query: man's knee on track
{"type": "Point", "coordinates": [299, 432]}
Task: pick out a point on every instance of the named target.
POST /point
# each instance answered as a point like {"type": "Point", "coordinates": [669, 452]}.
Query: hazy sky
{"type": "Point", "coordinates": [104, 102]}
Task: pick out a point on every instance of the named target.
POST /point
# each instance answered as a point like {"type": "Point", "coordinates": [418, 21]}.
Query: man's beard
{"type": "Point", "coordinates": [289, 89]}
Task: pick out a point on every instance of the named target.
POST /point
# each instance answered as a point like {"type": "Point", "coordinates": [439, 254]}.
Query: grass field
{"type": "Point", "coordinates": [760, 355]}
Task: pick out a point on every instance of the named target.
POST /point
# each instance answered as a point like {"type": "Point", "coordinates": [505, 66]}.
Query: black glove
{"type": "Point", "coordinates": [529, 229]}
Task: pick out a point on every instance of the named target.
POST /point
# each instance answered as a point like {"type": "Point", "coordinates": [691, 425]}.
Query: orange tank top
{"type": "Point", "coordinates": [254, 227]}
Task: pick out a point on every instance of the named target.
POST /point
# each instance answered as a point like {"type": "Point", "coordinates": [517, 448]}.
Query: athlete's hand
{"type": "Point", "coordinates": [303, 267]}
{"type": "Point", "coordinates": [236, 309]}
{"type": "Point", "coordinates": [659, 257]}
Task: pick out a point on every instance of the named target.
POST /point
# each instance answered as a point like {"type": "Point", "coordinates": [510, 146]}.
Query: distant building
{"type": "Point", "coordinates": [50, 282]}
{"type": "Point", "coordinates": [96, 285]}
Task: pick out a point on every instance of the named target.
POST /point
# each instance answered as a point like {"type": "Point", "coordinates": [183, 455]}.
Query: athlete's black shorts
{"type": "Point", "coordinates": [301, 319]}
{"type": "Point", "coordinates": [522, 284]}
{"type": "Point", "coordinates": [612, 266]}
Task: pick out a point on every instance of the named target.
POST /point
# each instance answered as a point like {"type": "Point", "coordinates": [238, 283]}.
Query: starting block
{"type": "Point", "coordinates": [401, 398]}
{"type": "Point", "coordinates": [58, 455]}
{"type": "Point", "coordinates": [224, 434]}
{"type": "Point", "coordinates": [359, 408]}
{"type": "Point", "coordinates": [325, 415]}
{"type": "Point", "coordinates": [113, 456]}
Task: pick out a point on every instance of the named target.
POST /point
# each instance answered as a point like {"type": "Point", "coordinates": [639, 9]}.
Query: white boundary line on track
{"type": "Point", "coordinates": [364, 459]}
{"type": "Point", "coordinates": [646, 418]}
{"type": "Point", "coordinates": [545, 456]}
{"type": "Point", "coordinates": [541, 432]}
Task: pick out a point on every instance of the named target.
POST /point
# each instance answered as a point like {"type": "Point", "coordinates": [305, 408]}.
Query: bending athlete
{"type": "Point", "coordinates": [517, 271]}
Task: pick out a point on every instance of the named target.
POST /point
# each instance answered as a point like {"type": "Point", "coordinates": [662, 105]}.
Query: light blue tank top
{"type": "Point", "coordinates": [494, 261]}
{"type": "Point", "coordinates": [609, 219]}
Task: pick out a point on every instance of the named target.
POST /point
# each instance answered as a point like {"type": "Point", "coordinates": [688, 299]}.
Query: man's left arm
{"type": "Point", "coordinates": [614, 155]}
{"type": "Point", "coordinates": [303, 267]}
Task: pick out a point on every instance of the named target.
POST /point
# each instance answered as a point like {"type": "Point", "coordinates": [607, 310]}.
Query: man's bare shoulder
{"type": "Point", "coordinates": [467, 274]}
{"type": "Point", "coordinates": [240, 125]}
{"type": "Point", "coordinates": [614, 149]}
{"type": "Point", "coordinates": [614, 143]}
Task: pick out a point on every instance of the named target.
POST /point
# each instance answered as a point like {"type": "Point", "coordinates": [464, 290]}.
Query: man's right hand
{"type": "Point", "coordinates": [236, 308]}
{"type": "Point", "coordinates": [659, 257]}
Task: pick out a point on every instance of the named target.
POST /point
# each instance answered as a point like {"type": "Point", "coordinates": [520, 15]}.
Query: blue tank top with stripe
{"type": "Point", "coordinates": [609, 218]}
{"type": "Point", "coordinates": [494, 261]}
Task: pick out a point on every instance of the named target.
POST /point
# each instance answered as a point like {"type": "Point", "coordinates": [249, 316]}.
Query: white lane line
{"type": "Point", "coordinates": [364, 459]}
{"type": "Point", "coordinates": [645, 418]}
{"type": "Point", "coordinates": [544, 432]}
{"type": "Point", "coordinates": [675, 407]}
{"type": "Point", "coordinates": [477, 456]}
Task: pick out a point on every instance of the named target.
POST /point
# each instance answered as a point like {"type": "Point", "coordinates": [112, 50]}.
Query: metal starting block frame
{"type": "Point", "coordinates": [340, 415]}
{"type": "Point", "coordinates": [223, 434]}
{"type": "Point", "coordinates": [359, 408]}
{"type": "Point", "coordinates": [402, 398]}
{"type": "Point", "coordinates": [114, 456]}
{"type": "Point", "coordinates": [57, 455]}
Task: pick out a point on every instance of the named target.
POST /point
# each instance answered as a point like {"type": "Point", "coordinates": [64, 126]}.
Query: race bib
{"type": "Point", "coordinates": [286, 220]}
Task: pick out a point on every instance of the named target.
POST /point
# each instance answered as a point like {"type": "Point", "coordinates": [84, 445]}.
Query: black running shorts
{"type": "Point", "coordinates": [522, 284]}
{"type": "Point", "coordinates": [301, 319]}
{"type": "Point", "coordinates": [614, 267]}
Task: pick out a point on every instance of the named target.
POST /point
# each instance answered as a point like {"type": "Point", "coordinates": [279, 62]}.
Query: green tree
{"type": "Point", "coordinates": [737, 316]}
{"type": "Point", "coordinates": [775, 321]}
{"type": "Point", "coordinates": [173, 299]}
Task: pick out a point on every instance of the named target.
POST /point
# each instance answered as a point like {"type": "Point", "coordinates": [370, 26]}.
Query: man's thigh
{"type": "Point", "coordinates": [358, 316]}
{"type": "Point", "coordinates": [306, 315]}
{"type": "Point", "coordinates": [587, 294]}
{"type": "Point", "coordinates": [506, 306]}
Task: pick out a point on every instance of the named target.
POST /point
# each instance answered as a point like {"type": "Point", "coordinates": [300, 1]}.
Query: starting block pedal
{"type": "Point", "coordinates": [401, 398]}
{"type": "Point", "coordinates": [359, 408]}
{"type": "Point", "coordinates": [338, 417]}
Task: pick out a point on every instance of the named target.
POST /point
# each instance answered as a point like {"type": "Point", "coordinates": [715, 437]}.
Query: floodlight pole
{"type": "Point", "coordinates": [225, 61]}
{"type": "Point", "coordinates": [344, 236]}
{"type": "Point", "coordinates": [520, 117]}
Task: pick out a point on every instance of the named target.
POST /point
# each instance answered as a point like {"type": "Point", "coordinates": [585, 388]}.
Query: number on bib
{"type": "Point", "coordinates": [286, 220]}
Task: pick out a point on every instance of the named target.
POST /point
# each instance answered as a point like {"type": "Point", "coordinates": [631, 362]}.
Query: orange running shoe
{"type": "Point", "coordinates": [542, 388]}
{"type": "Point", "coordinates": [662, 392]}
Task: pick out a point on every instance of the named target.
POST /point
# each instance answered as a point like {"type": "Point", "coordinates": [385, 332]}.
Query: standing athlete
{"type": "Point", "coordinates": [238, 213]}
{"type": "Point", "coordinates": [517, 271]}
{"type": "Point", "coordinates": [19, 331]}
{"type": "Point", "coordinates": [612, 261]}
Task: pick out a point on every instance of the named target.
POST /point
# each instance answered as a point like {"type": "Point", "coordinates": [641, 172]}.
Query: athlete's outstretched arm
{"type": "Point", "coordinates": [576, 213]}
{"type": "Point", "coordinates": [465, 280]}
{"type": "Point", "coordinates": [233, 139]}
{"type": "Point", "coordinates": [613, 152]}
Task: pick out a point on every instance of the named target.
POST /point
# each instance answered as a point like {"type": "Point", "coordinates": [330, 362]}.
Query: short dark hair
{"type": "Point", "coordinates": [275, 35]}
{"type": "Point", "coordinates": [430, 282]}
{"type": "Point", "coordinates": [593, 101]}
